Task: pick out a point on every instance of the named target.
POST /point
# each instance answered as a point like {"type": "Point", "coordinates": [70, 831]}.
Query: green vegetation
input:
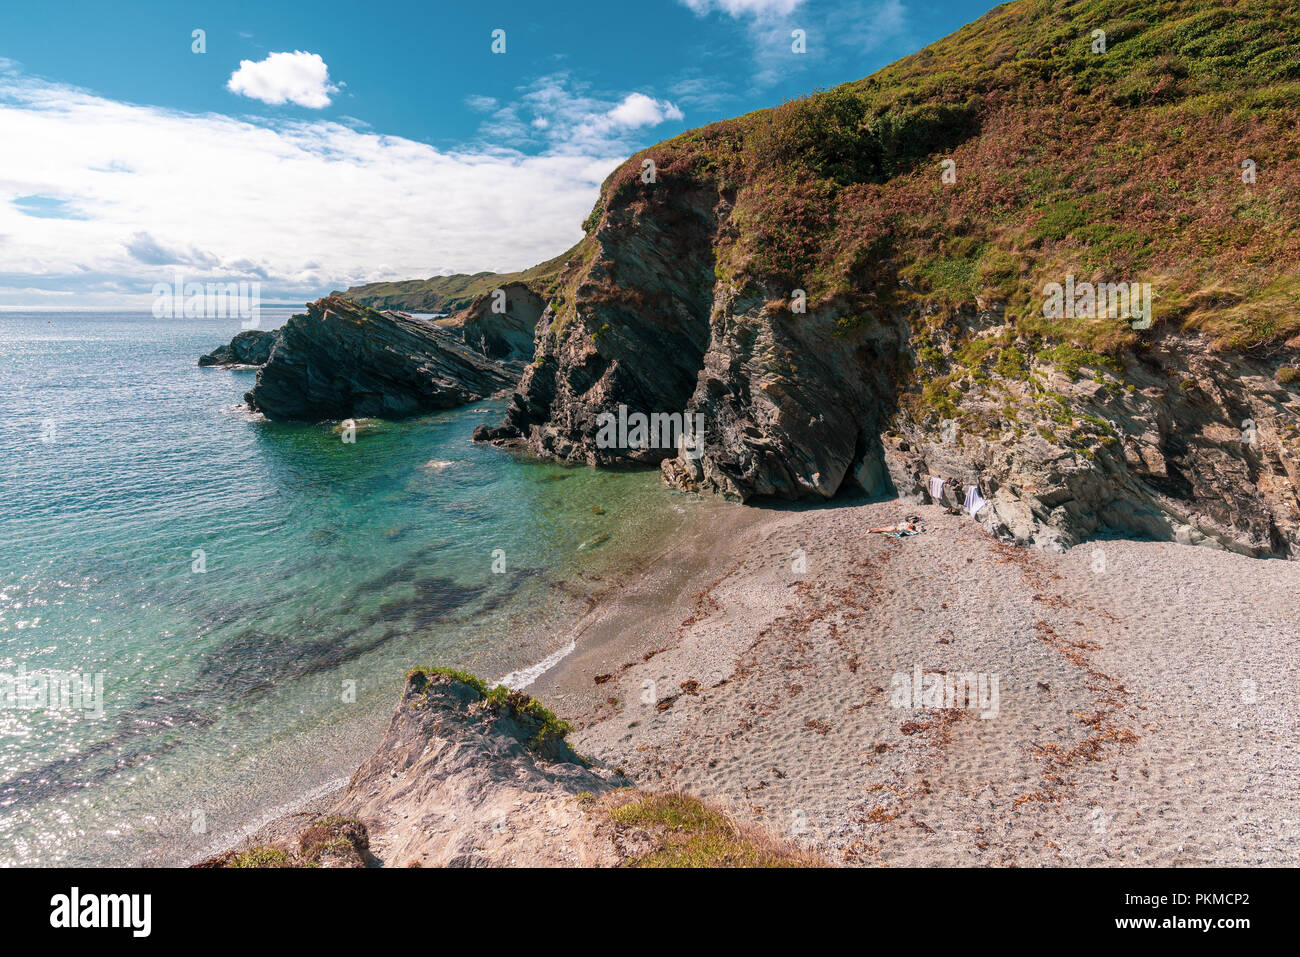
{"type": "Point", "coordinates": [688, 833]}
{"type": "Point", "coordinates": [262, 856]}
{"type": "Point", "coordinates": [452, 293]}
{"type": "Point", "coordinates": [501, 699]}
{"type": "Point", "coordinates": [1115, 166]}
{"type": "Point", "coordinates": [1070, 360]}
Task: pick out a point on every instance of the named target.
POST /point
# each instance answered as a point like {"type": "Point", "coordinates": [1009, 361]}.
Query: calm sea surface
{"type": "Point", "coordinates": [249, 593]}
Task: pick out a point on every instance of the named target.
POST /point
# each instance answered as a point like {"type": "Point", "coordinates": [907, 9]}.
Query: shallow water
{"type": "Point", "coordinates": [250, 593]}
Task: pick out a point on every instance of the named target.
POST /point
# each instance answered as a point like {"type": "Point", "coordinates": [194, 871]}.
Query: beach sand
{"type": "Point", "coordinates": [1144, 713]}
{"type": "Point", "coordinates": [1144, 716]}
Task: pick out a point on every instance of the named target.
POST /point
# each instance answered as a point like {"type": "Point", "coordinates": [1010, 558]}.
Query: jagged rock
{"type": "Point", "coordinates": [688, 295]}
{"type": "Point", "coordinates": [341, 360]}
{"type": "Point", "coordinates": [506, 335]}
{"type": "Point", "coordinates": [252, 347]}
{"type": "Point", "coordinates": [658, 264]}
{"type": "Point", "coordinates": [1184, 445]}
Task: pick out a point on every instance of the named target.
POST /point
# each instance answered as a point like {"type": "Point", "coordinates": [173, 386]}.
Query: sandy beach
{"type": "Point", "coordinates": [1143, 711]}
{"type": "Point", "coordinates": [1128, 701]}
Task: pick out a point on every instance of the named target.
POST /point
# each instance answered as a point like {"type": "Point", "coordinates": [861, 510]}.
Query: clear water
{"type": "Point", "coordinates": [328, 570]}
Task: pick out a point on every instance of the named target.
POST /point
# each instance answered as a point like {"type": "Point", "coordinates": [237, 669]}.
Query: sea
{"type": "Point", "coordinates": [206, 617]}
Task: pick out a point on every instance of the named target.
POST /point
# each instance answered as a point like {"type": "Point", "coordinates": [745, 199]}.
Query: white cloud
{"type": "Point", "coordinates": [305, 206]}
{"type": "Point", "coordinates": [481, 104]}
{"type": "Point", "coordinates": [297, 77]}
{"type": "Point", "coordinates": [563, 116]}
{"type": "Point", "coordinates": [637, 109]}
{"type": "Point", "coordinates": [740, 8]}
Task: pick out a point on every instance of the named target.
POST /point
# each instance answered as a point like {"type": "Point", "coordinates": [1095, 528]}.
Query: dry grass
{"type": "Point", "coordinates": [676, 830]}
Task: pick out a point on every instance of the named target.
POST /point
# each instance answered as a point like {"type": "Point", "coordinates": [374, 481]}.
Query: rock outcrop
{"type": "Point", "coordinates": [252, 347]}
{"type": "Point", "coordinates": [341, 360]}
{"type": "Point", "coordinates": [472, 777]}
{"type": "Point", "coordinates": [1171, 442]}
{"type": "Point", "coordinates": [500, 323]}
{"type": "Point", "coordinates": [644, 298]}
{"type": "Point", "coordinates": [464, 781]}
{"type": "Point", "coordinates": [852, 291]}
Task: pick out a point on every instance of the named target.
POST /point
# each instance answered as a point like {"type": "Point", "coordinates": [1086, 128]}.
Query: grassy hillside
{"type": "Point", "coordinates": [449, 293]}
{"type": "Point", "coordinates": [1117, 166]}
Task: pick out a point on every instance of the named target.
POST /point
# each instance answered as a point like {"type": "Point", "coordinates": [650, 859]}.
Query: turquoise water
{"type": "Point", "coordinates": [250, 592]}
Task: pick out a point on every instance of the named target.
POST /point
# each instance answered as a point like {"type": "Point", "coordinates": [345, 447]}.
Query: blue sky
{"type": "Point", "coordinates": [311, 146]}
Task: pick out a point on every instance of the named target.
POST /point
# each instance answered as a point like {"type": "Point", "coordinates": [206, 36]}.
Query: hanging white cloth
{"type": "Point", "coordinates": [936, 487]}
{"type": "Point", "coordinates": [974, 501]}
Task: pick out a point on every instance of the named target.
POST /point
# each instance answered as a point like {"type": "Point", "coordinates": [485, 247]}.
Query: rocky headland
{"type": "Point", "coordinates": [853, 289]}
{"type": "Point", "coordinates": [340, 360]}
{"type": "Point", "coordinates": [252, 347]}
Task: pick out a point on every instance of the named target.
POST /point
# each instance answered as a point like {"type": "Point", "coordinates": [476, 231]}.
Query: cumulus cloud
{"type": "Point", "coordinates": [637, 109]}
{"type": "Point", "coordinates": [297, 77]}
{"type": "Point", "coordinates": [306, 206]}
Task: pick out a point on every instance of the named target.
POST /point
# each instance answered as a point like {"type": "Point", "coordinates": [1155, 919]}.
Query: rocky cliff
{"type": "Point", "coordinates": [341, 360]}
{"type": "Point", "coordinates": [855, 289]}
{"type": "Point", "coordinates": [252, 347]}
{"type": "Point", "coordinates": [500, 323]}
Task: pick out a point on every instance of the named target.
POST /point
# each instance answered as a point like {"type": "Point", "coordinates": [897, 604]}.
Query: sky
{"type": "Point", "coordinates": [317, 145]}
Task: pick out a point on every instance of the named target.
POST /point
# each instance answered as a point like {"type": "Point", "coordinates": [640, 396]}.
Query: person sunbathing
{"type": "Point", "coordinates": [909, 526]}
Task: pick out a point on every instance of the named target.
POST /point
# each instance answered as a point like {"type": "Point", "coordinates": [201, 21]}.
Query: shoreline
{"type": "Point", "coordinates": [770, 691]}
{"type": "Point", "coordinates": [588, 595]}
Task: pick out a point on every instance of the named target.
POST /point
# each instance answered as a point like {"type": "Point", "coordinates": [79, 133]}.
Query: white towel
{"type": "Point", "coordinates": [936, 487]}
{"type": "Point", "coordinates": [974, 501]}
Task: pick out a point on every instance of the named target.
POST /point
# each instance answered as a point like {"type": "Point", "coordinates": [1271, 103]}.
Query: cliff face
{"type": "Point", "coordinates": [340, 360]}
{"type": "Point", "coordinates": [853, 289]}
{"type": "Point", "coordinates": [500, 323]}
{"type": "Point", "coordinates": [471, 777]}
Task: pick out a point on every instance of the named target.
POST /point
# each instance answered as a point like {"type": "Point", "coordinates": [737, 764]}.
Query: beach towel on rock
{"type": "Point", "coordinates": [936, 487]}
{"type": "Point", "coordinates": [974, 501]}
